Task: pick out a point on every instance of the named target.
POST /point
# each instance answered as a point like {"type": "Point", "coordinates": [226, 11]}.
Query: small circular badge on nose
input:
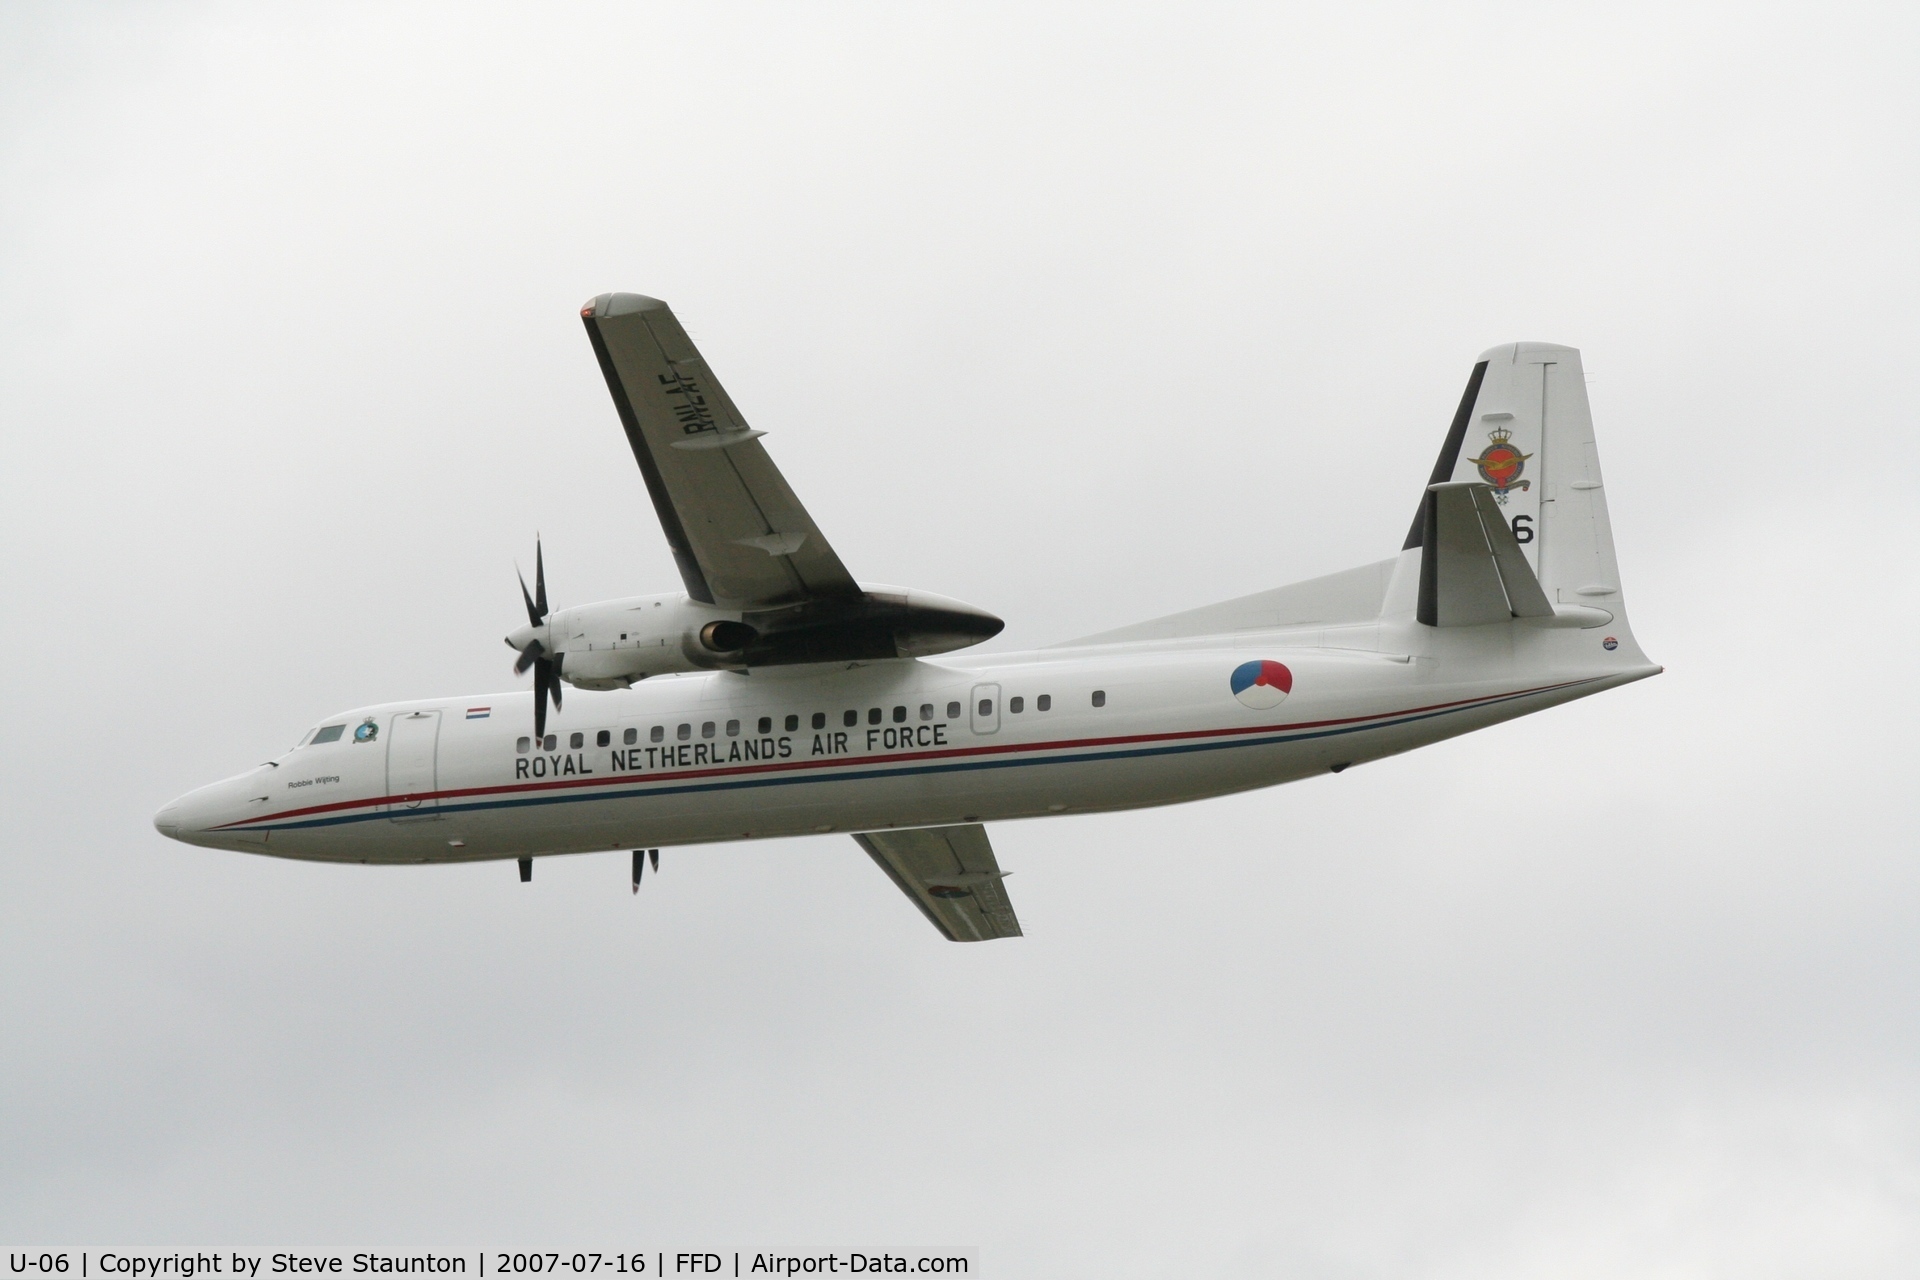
{"type": "Point", "coordinates": [1261, 685]}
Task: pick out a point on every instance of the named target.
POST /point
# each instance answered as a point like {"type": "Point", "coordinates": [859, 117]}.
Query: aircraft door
{"type": "Point", "coordinates": [985, 708]}
{"type": "Point", "coordinates": [412, 777]}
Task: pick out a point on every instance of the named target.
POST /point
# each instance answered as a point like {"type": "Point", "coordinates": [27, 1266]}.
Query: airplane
{"type": "Point", "coordinates": [776, 696]}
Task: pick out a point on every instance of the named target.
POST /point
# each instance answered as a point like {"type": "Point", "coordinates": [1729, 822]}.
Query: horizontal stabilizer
{"type": "Point", "coordinates": [1472, 570]}
{"type": "Point", "coordinates": [951, 875]}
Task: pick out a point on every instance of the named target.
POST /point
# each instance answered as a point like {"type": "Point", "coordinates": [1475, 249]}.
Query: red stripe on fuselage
{"type": "Point", "coordinates": [843, 762]}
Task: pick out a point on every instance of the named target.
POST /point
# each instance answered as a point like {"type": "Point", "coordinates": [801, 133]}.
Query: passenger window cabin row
{"type": "Point", "coordinates": [709, 729]}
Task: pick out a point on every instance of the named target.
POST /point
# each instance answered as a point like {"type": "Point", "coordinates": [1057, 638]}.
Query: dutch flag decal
{"type": "Point", "coordinates": [479, 713]}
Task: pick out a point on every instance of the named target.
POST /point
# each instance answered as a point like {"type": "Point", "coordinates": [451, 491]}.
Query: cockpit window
{"type": "Point", "coordinates": [329, 734]}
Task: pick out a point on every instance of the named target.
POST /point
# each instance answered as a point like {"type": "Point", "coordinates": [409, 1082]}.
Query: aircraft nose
{"type": "Point", "coordinates": [192, 818]}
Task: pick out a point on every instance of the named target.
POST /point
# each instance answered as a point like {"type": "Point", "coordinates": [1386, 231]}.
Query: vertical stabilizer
{"type": "Point", "coordinates": [1524, 429]}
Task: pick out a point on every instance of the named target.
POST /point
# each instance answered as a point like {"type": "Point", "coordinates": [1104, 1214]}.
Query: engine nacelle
{"type": "Point", "coordinates": [612, 644]}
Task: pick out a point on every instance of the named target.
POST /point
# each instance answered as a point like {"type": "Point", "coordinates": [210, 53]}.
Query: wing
{"type": "Point", "coordinates": [740, 537]}
{"type": "Point", "coordinates": [950, 874]}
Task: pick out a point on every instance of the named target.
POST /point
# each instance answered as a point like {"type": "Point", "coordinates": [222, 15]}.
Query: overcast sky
{"type": "Point", "coordinates": [1082, 314]}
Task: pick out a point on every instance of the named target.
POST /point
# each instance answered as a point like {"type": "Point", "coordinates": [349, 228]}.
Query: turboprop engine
{"type": "Point", "coordinates": [614, 643]}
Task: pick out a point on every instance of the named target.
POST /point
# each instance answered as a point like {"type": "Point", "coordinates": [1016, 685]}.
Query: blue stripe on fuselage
{"type": "Point", "coordinates": [855, 775]}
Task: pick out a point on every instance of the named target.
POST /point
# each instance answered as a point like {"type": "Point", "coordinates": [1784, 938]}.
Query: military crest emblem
{"type": "Point", "coordinates": [366, 730]}
{"type": "Point", "coordinates": [1501, 464]}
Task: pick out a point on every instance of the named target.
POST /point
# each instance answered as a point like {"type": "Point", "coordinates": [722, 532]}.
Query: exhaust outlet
{"type": "Point", "coordinates": [727, 637]}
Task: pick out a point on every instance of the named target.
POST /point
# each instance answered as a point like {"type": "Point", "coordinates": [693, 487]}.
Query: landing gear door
{"type": "Point", "coordinates": [985, 708]}
{"type": "Point", "coordinates": [413, 742]}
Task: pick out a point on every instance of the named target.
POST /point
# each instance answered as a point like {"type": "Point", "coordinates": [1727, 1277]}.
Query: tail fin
{"type": "Point", "coordinates": [1512, 525]}
{"type": "Point", "coordinates": [1522, 437]}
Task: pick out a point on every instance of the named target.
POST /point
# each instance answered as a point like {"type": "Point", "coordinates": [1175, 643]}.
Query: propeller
{"type": "Point", "coordinates": [533, 651]}
{"type": "Point", "coordinates": [640, 857]}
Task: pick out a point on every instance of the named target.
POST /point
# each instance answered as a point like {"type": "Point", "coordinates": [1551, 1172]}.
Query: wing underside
{"type": "Point", "coordinates": [739, 535]}
{"type": "Point", "coordinates": [951, 875]}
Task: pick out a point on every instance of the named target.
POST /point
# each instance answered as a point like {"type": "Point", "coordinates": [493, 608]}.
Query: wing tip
{"type": "Point", "coordinates": [1519, 352]}
{"type": "Point", "coordinates": [607, 305]}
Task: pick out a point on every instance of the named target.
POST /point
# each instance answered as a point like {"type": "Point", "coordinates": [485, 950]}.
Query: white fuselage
{"type": "Point", "coordinates": [716, 756]}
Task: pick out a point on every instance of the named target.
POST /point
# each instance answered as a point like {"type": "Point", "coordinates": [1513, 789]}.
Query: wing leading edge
{"type": "Point", "coordinates": [951, 875]}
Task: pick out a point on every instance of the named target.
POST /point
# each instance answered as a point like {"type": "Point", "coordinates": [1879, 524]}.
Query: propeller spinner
{"type": "Point", "coordinates": [535, 644]}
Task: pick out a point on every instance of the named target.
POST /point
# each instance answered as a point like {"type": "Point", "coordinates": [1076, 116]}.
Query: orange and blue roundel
{"type": "Point", "coordinates": [1261, 685]}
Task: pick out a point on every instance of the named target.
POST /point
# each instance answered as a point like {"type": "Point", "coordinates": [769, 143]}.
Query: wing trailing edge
{"type": "Point", "coordinates": [950, 874]}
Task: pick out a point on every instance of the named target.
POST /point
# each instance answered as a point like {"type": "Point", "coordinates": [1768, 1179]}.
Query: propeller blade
{"type": "Point", "coordinates": [536, 616]}
{"type": "Point", "coordinates": [539, 700]}
{"type": "Point", "coordinates": [546, 684]}
{"type": "Point", "coordinates": [546, 670]}
{"type": "Point", "coordinates": [539, 579]}
{"type": "Point", "coordinates": [639, 865]}
{"type": "Point", "coordinates": [655, 855]}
